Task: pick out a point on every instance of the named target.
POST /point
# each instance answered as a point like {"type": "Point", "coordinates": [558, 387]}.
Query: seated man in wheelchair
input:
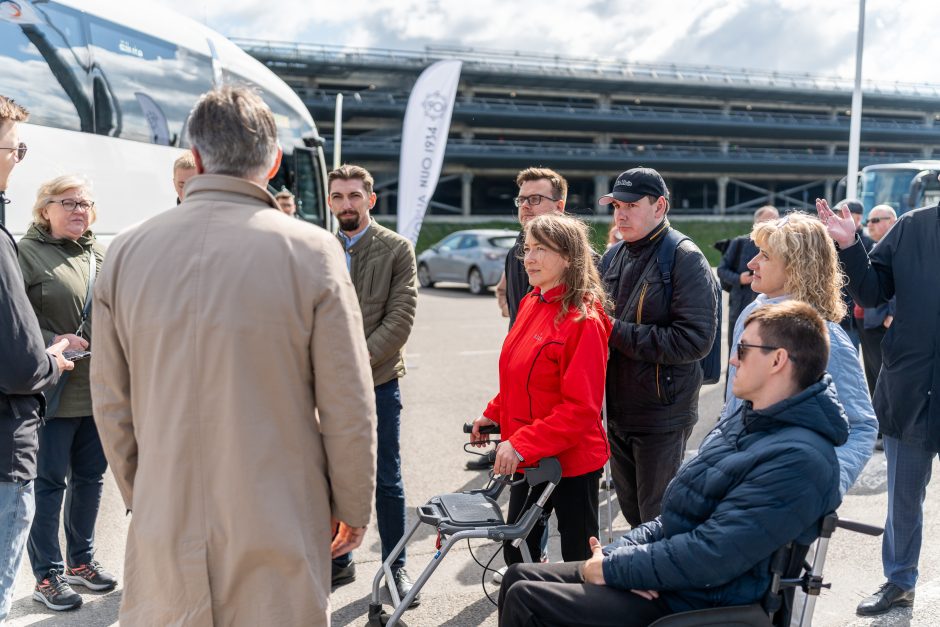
{"type": "Point", "coordinates": [763, 477]}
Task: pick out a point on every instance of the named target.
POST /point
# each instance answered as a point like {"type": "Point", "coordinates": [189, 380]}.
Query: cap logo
{"type": "Point", "coordinates": [626, 182]}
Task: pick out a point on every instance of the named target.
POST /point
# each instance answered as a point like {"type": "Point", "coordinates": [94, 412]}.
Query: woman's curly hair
{"type": "Point", "coordinates": [813, 274]}
{"type": "Point", "coordinates": [568, 237]}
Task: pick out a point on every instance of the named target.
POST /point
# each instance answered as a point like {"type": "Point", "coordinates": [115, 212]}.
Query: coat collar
{"type": "Point", "coordinates": [551, 295]}
{"type": "Point", "coordinates": [204, 186]}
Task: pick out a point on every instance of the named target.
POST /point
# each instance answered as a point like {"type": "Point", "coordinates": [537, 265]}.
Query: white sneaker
{"type": "Point", "coordinates": [498, 575]}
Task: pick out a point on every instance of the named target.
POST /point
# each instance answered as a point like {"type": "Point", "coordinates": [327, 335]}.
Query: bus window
{"type": "Point", "coordinates": [144, 88]}
{"type": "Point", "coordinates": [44, 62]}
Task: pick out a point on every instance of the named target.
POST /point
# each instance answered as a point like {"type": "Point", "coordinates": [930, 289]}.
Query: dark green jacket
{"type": "Point", "coordinates": [55, 272]}
{"type": "Point", "coordinates": [383, 272]}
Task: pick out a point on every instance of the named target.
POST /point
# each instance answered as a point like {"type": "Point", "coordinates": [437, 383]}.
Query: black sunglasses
{"type": "Point", "coordinates": [19, 151]}
{"type": "Point", "coordinates": [877, 220]}
{"type": "Point", "coordinates": [743, 348]}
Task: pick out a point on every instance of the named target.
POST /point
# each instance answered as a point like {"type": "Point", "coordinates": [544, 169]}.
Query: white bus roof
{"type": "Point", "coordinates": [168, 25]}
{"type": "Point", "coordinates": [922, 164]}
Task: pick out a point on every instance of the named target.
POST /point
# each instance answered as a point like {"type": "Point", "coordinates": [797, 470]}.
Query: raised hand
{"type": "Point", "coordinates": [840, 226]}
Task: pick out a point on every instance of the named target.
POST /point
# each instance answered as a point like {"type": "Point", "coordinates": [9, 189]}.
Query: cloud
{"type": "Point", "coordinates": [804, 36]}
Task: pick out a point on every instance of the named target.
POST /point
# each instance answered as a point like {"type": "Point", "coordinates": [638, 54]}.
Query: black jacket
{"type": "Point", "coordinates": [904, 265]}
{"type": "Point", "coordinates": [517, 281]}
{"type": "Point", "coordinates": [25, 370]}
{"type": "Point", "coordinates": [653, 375]}
{"type": "Point", "coordinates": [739, 252]}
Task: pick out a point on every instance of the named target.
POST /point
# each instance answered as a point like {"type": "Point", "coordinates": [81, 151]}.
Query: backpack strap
{"type": "Point", "coordinates": [666, 259]}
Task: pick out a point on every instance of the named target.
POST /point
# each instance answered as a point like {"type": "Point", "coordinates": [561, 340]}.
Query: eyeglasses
{"type": "Point", "coordinates": [743, 348]}
{"type": "Point", "coordinates": [877, 220]}
{"type": "Point", "coordinates": [19, 151]}
{"type": "Point", "coordinates": [73, 205]}
{"type": "Point", "coordinates": [533, 200]}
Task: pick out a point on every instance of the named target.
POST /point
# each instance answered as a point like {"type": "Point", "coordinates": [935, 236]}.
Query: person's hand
{"type": "Point", "coordinates": [592, 570]}
{"type": "Point", "coordinates": [746, 278]}
{"type": "Point", "coordinates": [477, 438]}
{"type": "Point", "coordinates": [649, 595]}
{"type": "Point", "coordinates": [75, 343]}
{"type": "Point", "coordinates": [888, 321]}
{"type": "Point", "coordinates": [506, 459]}
{"type": "Point", "coordinates": [56, 351]}
{"type": "Point", "coordinates": [346, 538]}
{"type": "Point", "coordinates": [841, 228]}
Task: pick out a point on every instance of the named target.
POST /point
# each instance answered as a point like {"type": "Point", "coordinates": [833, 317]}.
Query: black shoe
{"type": "Point", "coordinates": [880, 443]}
{"type": "Point", "coordinates": [484, 462]}
{"type": "Point", "coordinates": [92, 576]}
{"type": "Point", "coordinates": [404, 585]}
{"type": "Point", "coordinates": [56, 592]}
{"type": "Point", "coordinates": [341, 575]}
{"type": "Point", "coordinates": [888, 596]}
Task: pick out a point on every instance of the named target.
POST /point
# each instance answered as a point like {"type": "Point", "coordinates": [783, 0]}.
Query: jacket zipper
{"type": "Point", "coordinates": [658, 395]}
{"type": "Point", "coordinates": [639, 307]}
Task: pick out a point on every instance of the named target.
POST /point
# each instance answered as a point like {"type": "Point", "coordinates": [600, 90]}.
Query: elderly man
{"type": "Point", "coordinates": [232, 392]}
{"type": "Point", "coordinates": [184, 168]}
{"type": "Point", "coordinates": [733, 272]}
{"type": "Point", "coordinates": [907, 394]}
{"type": "Point", "coordinates": [26, 372]}
{"type": "Point", "coordinates": [873, 322]}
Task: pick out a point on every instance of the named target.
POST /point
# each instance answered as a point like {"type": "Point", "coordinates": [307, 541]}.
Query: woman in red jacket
{"type": "Point", "coordinates": [551, 384]}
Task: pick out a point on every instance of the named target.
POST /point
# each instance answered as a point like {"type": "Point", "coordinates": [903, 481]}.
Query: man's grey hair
{"type": "Point", "coordinates": [767, 212]}
{"type": "Point", "coordinates": [234, 132]}
{"type": "Point", "coordinates": [884, 208]}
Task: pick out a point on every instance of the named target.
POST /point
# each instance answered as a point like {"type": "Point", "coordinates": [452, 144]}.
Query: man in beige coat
{"type": "Point", "coordinates": [233, 393]}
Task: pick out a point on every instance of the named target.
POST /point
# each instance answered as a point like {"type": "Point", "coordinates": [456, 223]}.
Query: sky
{"type": "Point", "coordinates": [804, 36]}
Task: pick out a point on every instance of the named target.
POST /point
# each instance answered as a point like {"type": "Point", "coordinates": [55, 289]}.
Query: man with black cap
{"type": "Point", "coordinates": [665, 320]}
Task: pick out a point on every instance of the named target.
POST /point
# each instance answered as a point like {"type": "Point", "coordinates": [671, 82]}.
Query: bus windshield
{"type": "Point", "coordinates": [886, 186]}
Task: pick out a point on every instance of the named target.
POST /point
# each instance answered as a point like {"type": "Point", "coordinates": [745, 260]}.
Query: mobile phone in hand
{"type": "Point", "coordinates": [76, 355]}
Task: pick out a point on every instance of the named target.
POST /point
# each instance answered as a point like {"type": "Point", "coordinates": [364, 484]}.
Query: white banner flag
{"type": "Point", "coordinates": [423, 140]}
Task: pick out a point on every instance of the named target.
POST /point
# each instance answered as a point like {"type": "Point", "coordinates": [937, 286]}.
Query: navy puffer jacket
{"type": "Point", "coordinates": [760, 480]}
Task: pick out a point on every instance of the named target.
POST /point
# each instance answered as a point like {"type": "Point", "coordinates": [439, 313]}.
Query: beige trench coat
{"type": "Point", "coordinates": [232, 391]}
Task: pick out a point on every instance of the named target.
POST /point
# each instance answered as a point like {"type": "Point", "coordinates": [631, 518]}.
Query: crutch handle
{"type": "Point", "coordinates": [468, 428]}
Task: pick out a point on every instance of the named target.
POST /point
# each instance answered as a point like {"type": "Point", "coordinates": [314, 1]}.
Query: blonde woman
{"type": "Point", "coordinates": [551, 384]}
{"type": "Point", "coordinates": [59, 257]}
{"type": "Point", "coordinates": [797, 260]}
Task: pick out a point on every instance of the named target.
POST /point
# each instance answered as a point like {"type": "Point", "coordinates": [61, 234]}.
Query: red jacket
{"type": "Point", "coordinates": [551, 385]}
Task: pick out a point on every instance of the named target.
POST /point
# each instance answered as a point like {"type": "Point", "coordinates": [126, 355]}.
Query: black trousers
{"type": "Point", "coordinates": [574, 502]}
{"type": "Point", "coordinates": [642, 465]}
{"type": "Point", "coordinates": [871, 352]}
{"type": "Point", "coordinates": [543, 595]}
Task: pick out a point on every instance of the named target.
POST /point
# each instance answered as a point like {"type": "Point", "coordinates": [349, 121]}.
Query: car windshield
{"type": "Point", "coordinates": [506, 241]}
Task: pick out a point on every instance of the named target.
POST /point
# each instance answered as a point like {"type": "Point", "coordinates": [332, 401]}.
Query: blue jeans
{"type": "Point", "coordinates": [909, 469]}
{"type": "Point", "coordinates": [72, 464]}
{"type": "Point", "coordinates": [389, 487]}
{"type": "Point", "coordinates": [16, 513]}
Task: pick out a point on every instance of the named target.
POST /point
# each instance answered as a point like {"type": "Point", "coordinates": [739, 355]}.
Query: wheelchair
{"type": "Point", "coordinates": [473, 514]}
{"type": "Point", "coordinates": [789, 571]}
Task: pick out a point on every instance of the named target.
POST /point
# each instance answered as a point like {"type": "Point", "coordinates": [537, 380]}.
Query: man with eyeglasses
{"type": "Point", "coordinates": [541, 191]}
{"type": "Point", "coordinates": [665, 321]}
{"type": "Point", "coordinates": [28, 369]}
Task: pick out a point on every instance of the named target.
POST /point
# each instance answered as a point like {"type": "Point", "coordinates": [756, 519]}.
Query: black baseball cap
{"type": "Point", "coordinates": [634, 184]}
{"type": "Point", "coordinates": [853, 205]}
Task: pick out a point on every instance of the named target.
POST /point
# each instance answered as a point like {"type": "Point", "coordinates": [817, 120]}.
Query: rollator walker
{"type": "Point", "coordinates": [473, 514]}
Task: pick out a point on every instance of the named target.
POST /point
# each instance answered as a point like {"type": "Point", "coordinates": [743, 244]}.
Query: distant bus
{"type": "Point", "coordinates": [109, 85]}
{"type": "Point", "coordinates": [904, 186]}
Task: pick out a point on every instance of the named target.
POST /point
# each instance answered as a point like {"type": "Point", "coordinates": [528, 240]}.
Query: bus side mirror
{"type": "Point", "coordinates": [314, 141]}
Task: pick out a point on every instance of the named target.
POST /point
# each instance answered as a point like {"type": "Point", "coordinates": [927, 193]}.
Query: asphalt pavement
{"type": "Point", "coordinates": [452, 360]}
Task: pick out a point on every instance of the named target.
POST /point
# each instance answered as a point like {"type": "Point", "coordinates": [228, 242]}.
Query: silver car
{"type": "Point", "coordinates": [473, 257]}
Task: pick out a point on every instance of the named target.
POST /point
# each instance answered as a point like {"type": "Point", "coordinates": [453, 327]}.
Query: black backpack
{"type": "Point", "coordinates": [666, 260]}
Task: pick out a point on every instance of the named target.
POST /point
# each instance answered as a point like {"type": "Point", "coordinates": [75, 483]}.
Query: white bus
{"type": "Point", "coordinates": [904, 186]}
{"type": "Point", "coordinates": [109, 85]}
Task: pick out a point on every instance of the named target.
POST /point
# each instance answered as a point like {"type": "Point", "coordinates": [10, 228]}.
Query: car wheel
{"type": "Point", "coordinates": [475, 279]}
{"type": "Point", "coordinates": [424, 276]}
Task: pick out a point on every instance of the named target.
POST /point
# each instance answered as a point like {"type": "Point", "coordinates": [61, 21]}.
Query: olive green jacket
{"type": "Point", "coordinates": [383, 269]}
{"type": "Point", "coordinates": [55, 272]}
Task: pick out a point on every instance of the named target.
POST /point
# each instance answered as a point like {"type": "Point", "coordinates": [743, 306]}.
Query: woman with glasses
{"type": "Point", "coordinates": [60, 257]}
{"type": "Point", "coordinates": [797, 260]}
{"type": "Point", "coordinates": [551, 385]}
